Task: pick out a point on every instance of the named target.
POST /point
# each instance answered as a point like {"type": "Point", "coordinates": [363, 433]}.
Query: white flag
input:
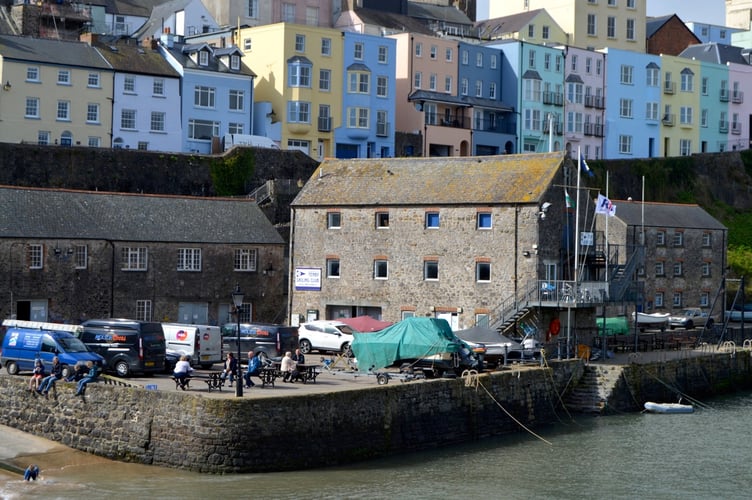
{"type": "Point", "coordinates": [604, 206]}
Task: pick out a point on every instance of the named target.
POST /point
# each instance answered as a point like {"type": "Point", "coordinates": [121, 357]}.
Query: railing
{"type": "Point", "coordinates": [737, 97]}
{"type": "Point", "coordinates": [669, 87]}
{"type": "Point", "coordinates": [736, 128]}
{"type": "Point", "coordinates": [442, 120]}
{"type": "Point", "coordinates": [325, 123]}
{"type": "Point", "coordinates": [594, 101]}
{"type": "Point", "coordinates": [382, 129]}
{"type": "Point", "coordinates": [558, 127]}
{"type": "Point", "coordinates": [669, 119]}
{"type": "Point", "coordinates": [723, 126]}
{"type": "Point", "coordinates": [723, 95]}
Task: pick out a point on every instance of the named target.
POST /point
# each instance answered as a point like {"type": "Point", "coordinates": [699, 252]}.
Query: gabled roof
{"type": "Point", "coordinates": [127, 56]}
{"type": "Point", "coordinates": [653, 24]}
{"type": "Point", "coordinates": [444, 13]}
{"type": "Point", "coordinates": [456, 180]}
{"type": "Point", "coordinates": [182, 52]}
{"type": "Point", "coordinates": [665, 215]}
{"type": "Point", "coordinates": [138, 8]}
{"type": "Point", "coordinates": [514, 23]}
{"type": "Point", "coordinates": [392, 21]}
{"type": "Point", "coordinates": [54, 213]}
{"type": "Point", "coordinates": [48, 51]}
{"type": "Point", "coordinates": [159, 12]}
{"type": "Point", "coordinates": [714, 52]}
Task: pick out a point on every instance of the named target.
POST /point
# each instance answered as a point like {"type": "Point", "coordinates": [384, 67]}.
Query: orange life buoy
{"type": "Point", "coordinates": [555, 326]}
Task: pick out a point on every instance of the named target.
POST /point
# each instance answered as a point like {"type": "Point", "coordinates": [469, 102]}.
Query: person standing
{"type": "Point", "coordinates": [89, 377]}
{"type": "Point", "coordinates": [182, 371]}
{"type": "Point", "coordinates": [31, 473]}
{"type": "Point", "coordinates": [56, 373]}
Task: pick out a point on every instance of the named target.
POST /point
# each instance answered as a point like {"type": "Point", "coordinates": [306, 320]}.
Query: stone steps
{"type": "Point", "coordinates": [591, 394]}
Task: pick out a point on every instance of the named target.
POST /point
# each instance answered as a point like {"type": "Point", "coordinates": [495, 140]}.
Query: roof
{"type": "Point", "coordinates": [182, 54]}
{"type": "Point", "coordinates": [392, 21]}
{"type": "Point", "coordinates": [490, 28]}
{"type": "Point", "coordinates": [128, 56]}
{"type": "Point", "coordinates": [715, 53]}
{"type": "Point", "coordinates": [665, 215]}
{"type": "Point", "coordinates": [444, 13]}
{"type": "Point", "coordinates": [462, 100]}
{"type": "Point", "coordinates": [48, 51]}
{"type": "Point", "coordinates": [137, 8]}
{"type": "Point", "coordinates": [53, 213]}
{"type": "Point", "coordinates": [158, 13]}
{"type": "Point", "coordinates": [653, 24]}
{"type": "Point", "coordinates": [478, 180]}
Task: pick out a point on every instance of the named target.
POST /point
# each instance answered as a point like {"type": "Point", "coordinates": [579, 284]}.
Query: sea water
{"type": "Point", "coordinates": [701, 455]}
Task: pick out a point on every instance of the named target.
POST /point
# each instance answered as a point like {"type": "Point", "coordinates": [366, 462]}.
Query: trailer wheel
{"type": "Point", "coordinates": [382, 378]}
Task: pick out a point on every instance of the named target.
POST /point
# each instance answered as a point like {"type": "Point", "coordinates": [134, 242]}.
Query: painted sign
{"type": "Point", "coordinates": [181, 335]}
{"type": "Point", "coordinates": [308, 278]}
{"type": "Point", "coordinates": [206, 336]}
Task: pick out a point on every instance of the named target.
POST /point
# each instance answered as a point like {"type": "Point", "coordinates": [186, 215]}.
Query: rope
{"type": "Point", "coordinates": [472, 380]}
{"type": "Point", "coordinates": [677, 391]}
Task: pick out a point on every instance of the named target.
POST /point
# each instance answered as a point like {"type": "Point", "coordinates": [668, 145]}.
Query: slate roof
{"type": "Point", "coordinates": [490, 28]}
{"type": "Point", "coordinates": [464, 100]}
{"type": "Point", "coordinates": [129, 57]}
{"type": "Point", "coordinates": [665, 215]}
{"type": "Point", "coordinates": [653, 24]}
{"type": "Point", "coordinates": [181, 53]}
{"type": "Point", "coordinates": [48, 51]}
{"type": "Point", "coordinates": [456, 180]}
{"type": "Point", "coordinates": [714, 52]}
{"type": "Point", "coordinates": [392, 21]}
{"type": "Point", "coordinates": [139, 8]}
{"type": "Point", "coordinates": [51, 213]}
{"type": "Point", "coordinates": [445, 13]}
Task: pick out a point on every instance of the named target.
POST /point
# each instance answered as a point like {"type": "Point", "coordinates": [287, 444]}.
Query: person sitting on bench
{"type": "Point", "coordinates": [254, 368]}
{"type": "Point", "coordinates": [182, 371]}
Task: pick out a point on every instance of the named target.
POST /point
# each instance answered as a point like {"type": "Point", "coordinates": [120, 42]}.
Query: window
{"type": "Point", "coordinates": [704, 299]}
{"type": "Point", "coordinates": [591, 25]}
{"type": "Point", "coordinates": [658, 299]}
{"type": "Point", "coordinates": [133, 258]}
{"type": "Point", "coordinates": [333, 220]}
{"type": "Point", "coordinates": [358, 51]}
{"type": "Point", "coordinates": [94, 142]}
{"type": "Point", "coordinates": [299, 43]}
{"type": "Point", "coordinates": [326, 46]}
{"type": "Point", "coordinates": [288, 12]}
{"type": "Point", "coordinates": [612, 3]}
{"type": "Point", "coordinates": [685, 115]}
{"type": "Point", "coordinates": [247, 44]}
{"type": "Point", "coordinates": [32, 107]}
{"type": "Point", "coordinates": [545, 32]}
{"type": "Point", "coordinates": [235, 128]}
{"type": "Point", "coordinates": [705, 269]}
{"type": "Point", "coordinates": [245, 259]}
{"type": "Point", "coordinates": [299, 112]}
{"type": "Point", "coordinates": [678, 268]}
{"type": "Point", "coordinates": [707, 240]}
{"type": "Point", "coordinates": [449, 54]}
{"type": "Point", "coordinates": [32, 74]}
{"type": "Point", "coordinates": [202, 130]}
{"type": "Point", "coordinates": [203, 97]}
{"type": "Point", "coordinates": [36, 256]}
{"type": "Point", "coordinates": [532, 90]}
{"type": "Point", "coordinates": [660, 238]}
{"type": "Point", "coordinates": [625, 144]}
{"type": "Point", "coordinates": [157, 121]}
{"type": "Point", "coordinates": [660, 269]}
{"type": "Point", "coordinates": [652, 77]}
{"type": "Point", "coordinates": [81, 256]}
{"type": "Point", "coordinates": [157, 87]}
{"type": "Point", "coordinates": [358, 82]}
{"type": "Point", "coordinates": [482, 271]}
{"type": "Point", "coordinates": [380, 269]}
{"type": "Point", "coordinates": [630, 4]}
{"type": "Point", "coordinates": [432, 220]}
{"type": "Point", "coordinates": [382, 220]}
{"type": "Point", "coordinates": [626, 74]}
{"type": "Point", "coordinates": [598, 66]}
{"type": "Point", "coordinates": [299, 75]}
{"type": "Point", "coordinates": [418, 49]}
{"type": "Point", "coordinates": [129, 84]}
{"type": "Point", "coordinates": [630, 29]}
{"type": "Point", "coordinates": [531, 30]}
{"type": "Point", "coordinates": [611, 27]}
{"type": "Point", "coordinates": [358, 117]}
{"type": "Point", "coordinates": [483, 220]}
{"type": "Point", "coordinates": [418, 80]}
{"type": "Point", "coordinates": [448, 84]}
{"type": "Point", "coordinates": [625, 108]}
{"type": "Point", "coordinates": [687, 81]}
{"type": "Point", "coordinates": [143, 310]}
{"type": "Point", "coordinates": [383, 54]}
{"type": "Point", "coordinates": [432, 81]}
{"type": "Point", "coordinates": [573, 62]}
{"type": "Point", "coordinates": [253, 9]}
{"type": "Point", "coordinates": [492, 90]}
{"type": "Point", "coordinates": [479, 59]}
{"type": "Point", "coordinates": [651, 111]}
{"type": "Point", "coordinates": [531, 59]}
{"type": "Point", "coordinates": [63, 77]}
{"type": "Point", "coordinates": [189, 259]}
{"type": "Point", "coordinates": [678, 239]}
{"type": "Point", "coordinates": [532, 120]}
{"type": "Point", "coordinates": [142, 145]}
{"type": "Point", "coordinates": [332, 268]}
{"type": "Point", "coordinates": [558, 64]}
{"type": "Point", "coordinates": [407, 314]}
{"type": "Point", "coordinates": [546, 61]}
{"type": "Point", "coordinates": [235, 62]}
{"type": "Point", "coordinates": [63, 110]}
{"type": "Point", "coordinates": [465, 57]}
{"type": "Point", "coordinates": [574, 93]}
{"type": "Point", "coordinates": [43, 137]}
{"type": "Point", "coordinates": [237, 100]}
{"type": "Point", "coordinates": [325, 80]}
{"type": "Point", "coordinates": [685, 147]}
{"type": "Point", "coordinates": [312, 16]}
{"type": "Point", "coordinates": [677, 299]}
{"type": "Point", "coordinates": [431, 270]}
{"type": "Point", "coordinates": [92, 113]}
{"type": "Point", "coordinates": [588, 65]}
{"type": "Point", "coordinates": [93, 80]}
{"type": "Point", "coordinates": [464, 86]}
{"type": "Point", "coordinates": [478, 88]}
{"type": "Point", "coordinates": [704, 84]}
{"type": "Point", "coordinates": [128, 119]}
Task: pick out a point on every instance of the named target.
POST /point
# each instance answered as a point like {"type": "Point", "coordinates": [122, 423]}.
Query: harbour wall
{"type": "Point", "coordinates": [184, 430]}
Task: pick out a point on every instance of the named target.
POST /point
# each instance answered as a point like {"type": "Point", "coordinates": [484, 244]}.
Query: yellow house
{"type": "Point", "coordinates": [54, 92]}
{"type": "Point", "coordinates": [299, 72]}
{"type": "Point", "coordinates": [534, 26]}
{"type": "Point", "coordinates": [680, 102]}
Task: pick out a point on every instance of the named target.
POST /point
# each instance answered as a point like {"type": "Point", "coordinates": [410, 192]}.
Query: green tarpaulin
{"type": "Point", "coordinates": [614, 326]}
{"type": "Point", "coordinates": [411, 338]}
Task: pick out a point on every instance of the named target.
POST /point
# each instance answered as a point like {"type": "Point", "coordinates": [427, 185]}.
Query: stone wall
{"type": "Point", "coordinates": [183, 430]}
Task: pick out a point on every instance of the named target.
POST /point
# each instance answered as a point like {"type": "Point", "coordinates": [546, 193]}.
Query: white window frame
{"type": "Point", "coordinates": [245, 260]}
{"type": "Point", "coordinates": [189, 259]}
{"type": "Point", "coordinates": [134, 259]}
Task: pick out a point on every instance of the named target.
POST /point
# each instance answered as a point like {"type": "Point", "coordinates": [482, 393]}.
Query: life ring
{"type": "Point", "coordinates": [554, 327]}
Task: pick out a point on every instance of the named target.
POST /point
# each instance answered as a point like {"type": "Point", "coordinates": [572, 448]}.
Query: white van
{"type": "Point", "coordinates": [201, 343]}
{"type": "Point", "coordinates": [255, 141]}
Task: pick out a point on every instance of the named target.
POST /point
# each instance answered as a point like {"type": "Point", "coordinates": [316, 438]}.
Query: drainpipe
{"type": "Point", "coordinates": [112, 277]}
{"type": "Point", "coordinates": [290, 268]}
{"type": "Point", "coordinates": [516, 250]}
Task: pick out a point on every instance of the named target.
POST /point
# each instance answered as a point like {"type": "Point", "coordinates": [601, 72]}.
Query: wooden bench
{"type": "Point", "coordinates": [187, 384]}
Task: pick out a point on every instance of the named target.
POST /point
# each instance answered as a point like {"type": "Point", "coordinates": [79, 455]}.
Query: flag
{"type": "Point", "coordinates": [584, 166]}
{"type": "Point", "coordinates": [604, 206]}
{"type": "Point", "coordinates": [568, 200]}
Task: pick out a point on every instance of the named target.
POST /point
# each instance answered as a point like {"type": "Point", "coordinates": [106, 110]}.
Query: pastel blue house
{"type": "Point", "coordinates": [368, 97]}
{"type": "Point", "coordinates": [713, 33]}
{"type": "Point", "coordinates": [480, 89]}
{"type": "Point", "coordinates": [533, 82]}
{"type": "Point", "coordinates": [216, 93]}
{"type": "Point", "coordinates": [633, 105]}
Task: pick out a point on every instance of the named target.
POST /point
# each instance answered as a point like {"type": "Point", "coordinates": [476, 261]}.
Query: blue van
{"type": "Point", "coordinates": [25, 341]}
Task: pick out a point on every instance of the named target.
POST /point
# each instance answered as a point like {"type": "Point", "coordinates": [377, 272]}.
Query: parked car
{"type": "Point", "coordinates": [690, 317]}
{"type": "Point", "coordinates": [201, 343]}
{"type": "Point", "coordinates": [325, 336]}
{"type": "Point", "coordinates": [271, 340]}
{"type": "Point", "coordinates": [128, 346]}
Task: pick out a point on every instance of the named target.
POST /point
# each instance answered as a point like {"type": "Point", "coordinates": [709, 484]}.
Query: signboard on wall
{"type": "Point", "coordinates": [308, 278]}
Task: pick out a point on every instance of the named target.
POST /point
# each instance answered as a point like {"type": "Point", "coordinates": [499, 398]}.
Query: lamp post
{"type": "Point", "coordinates": [237, 299]}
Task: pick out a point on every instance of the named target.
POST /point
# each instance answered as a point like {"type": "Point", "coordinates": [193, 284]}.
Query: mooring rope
{"type": "Point", "coordinates": [676, 390]}
{"type": "Point", "coordinates": [472, 380]}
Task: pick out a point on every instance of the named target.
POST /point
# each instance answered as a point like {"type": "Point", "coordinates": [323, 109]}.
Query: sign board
{"type": "Point", "coordinates": [308, 278]}
{"type": "Point", "coordinates": [586, 239]}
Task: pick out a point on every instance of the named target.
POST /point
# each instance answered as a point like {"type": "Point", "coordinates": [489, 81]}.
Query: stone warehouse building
{"type": "Point", "coordinates": [447, 237]}
{"type": "Point", "coordinates": [68, 256]}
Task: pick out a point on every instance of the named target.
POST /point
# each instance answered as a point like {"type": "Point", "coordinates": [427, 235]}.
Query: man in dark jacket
{"type": "Point", "coordinates": [56, 373]}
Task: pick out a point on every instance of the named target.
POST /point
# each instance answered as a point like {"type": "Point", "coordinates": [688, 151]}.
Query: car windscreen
{"type": "Point", "coordinates": [72, 344]}
{"type": "Point", "coordinates": [345, 329]}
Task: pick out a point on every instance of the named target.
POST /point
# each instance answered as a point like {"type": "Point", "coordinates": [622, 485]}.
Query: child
{"type": "Point", "coordinates": [37, 376]}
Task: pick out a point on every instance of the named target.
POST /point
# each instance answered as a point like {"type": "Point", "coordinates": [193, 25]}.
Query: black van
{"type": "Point", "coordinates": [270, 339]}
{"type": "Point", "coordinates": [127, 346]}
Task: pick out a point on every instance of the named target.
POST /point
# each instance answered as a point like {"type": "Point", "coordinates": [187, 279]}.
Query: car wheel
{"type": "Point", "coordinates": [66, 371]}
{"type": "Point", "coordinates": [346, 350]}
{"type": "Point", "coordinates": [12, 368]}
{"type": "Point", "coordinates": [121, 368]}
{"type": "Point", "coordinates": [305, 346]}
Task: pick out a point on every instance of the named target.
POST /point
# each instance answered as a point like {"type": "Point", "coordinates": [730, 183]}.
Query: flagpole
{"type": "Point", "coordinates": [576, 253]}
{"type": "Point", "coordinates": [607, 217]}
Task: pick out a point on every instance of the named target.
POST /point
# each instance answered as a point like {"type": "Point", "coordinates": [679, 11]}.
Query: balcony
{"type": "Point", "coordinates": [736, 128]}
{"type": "Point", "coordinates": [723, 95]}
{"type": "Point", "coordinates": [723, 126]}
{"type": "Point", "coordinates": [598, 129]}
{"type": "Point", "coordinates": [669, 87]}
{"type": "Point", "coordinates": [737, 97]}
{"type": "Point", "coordinates": [382, 129]}
{"type": "Point", "coordinates": [558, 127]}
{"type": "Point", "coordinates": [594, 101]}
{"type": "Point", "coordinates": [669, 119]}
{"type": "Point", "coordinates": [443, 120]}
{"type": "Point", "coordinates": [555, 98]}
{"type": "Point", "coordinates": [325, 123]}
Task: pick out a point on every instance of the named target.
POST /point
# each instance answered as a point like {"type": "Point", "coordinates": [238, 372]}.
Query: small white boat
{"type": "Point", "coordinates": [668, 407]}
{"type": "Point", "coordinates": [652, 319]}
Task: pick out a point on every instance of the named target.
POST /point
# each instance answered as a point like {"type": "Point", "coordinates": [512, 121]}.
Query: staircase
{"type": "Point", "coordinates": [591, 394]}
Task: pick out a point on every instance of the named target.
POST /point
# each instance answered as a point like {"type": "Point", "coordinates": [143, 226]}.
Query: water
{"type": "Point", "coordinates": [701, 455]}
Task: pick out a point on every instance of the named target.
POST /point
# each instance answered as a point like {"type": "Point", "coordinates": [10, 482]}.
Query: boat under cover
{"type": "Point", "coordinates": [668, 407]}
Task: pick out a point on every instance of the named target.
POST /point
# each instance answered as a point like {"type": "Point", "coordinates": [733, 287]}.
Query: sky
{"type": "Point", "coordinates": [699, 11]}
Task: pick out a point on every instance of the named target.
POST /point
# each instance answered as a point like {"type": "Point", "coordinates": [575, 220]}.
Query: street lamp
{"type": "Point", "coordinates": [237, 299]}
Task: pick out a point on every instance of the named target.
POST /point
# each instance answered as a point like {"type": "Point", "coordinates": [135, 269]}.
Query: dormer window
{"type": "Point", "coordinates": [203, 58]}
{"type": "Point", "coordinates": [235, 62]}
